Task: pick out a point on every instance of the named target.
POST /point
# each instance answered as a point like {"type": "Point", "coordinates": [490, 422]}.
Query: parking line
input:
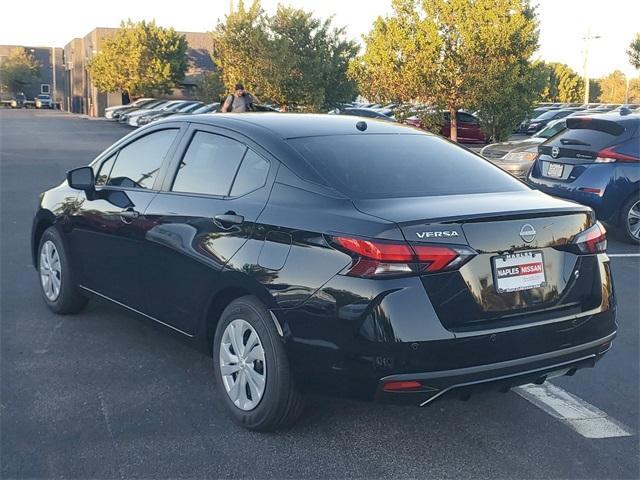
{"type": "Point", "coordinates": [581, 416]}
{"type": "Point", "coordinates": [623, 254]}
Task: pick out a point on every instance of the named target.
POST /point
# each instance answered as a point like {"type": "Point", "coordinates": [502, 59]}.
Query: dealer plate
{"type": "Point", "coordinates": [518, 271]}
{"type": "Point", "coordinates": [555, 170]}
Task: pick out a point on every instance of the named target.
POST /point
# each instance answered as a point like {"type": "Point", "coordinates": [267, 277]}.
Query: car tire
{"type": "Point", "coordinates": [629, 219]}
{"type": "Point", "coordinates": [58, 283]}
{"type": "Point", "coordinates": [279, 404]}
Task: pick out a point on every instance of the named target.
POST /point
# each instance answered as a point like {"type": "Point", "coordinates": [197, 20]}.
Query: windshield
{"type": "Point", "coordinates": [405, 165]}
{"type": "Point", "coordinates": [547, 115]}
{"type": "Point", "coordinates": [552, 130]}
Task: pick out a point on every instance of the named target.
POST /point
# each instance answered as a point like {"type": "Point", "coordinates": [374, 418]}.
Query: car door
{"type": "Point", "coordinates": [214, 191]}
{"type": "Point", "coordinates": [108, 229]}
{"type": "Point", "coordinates": [469, 128]}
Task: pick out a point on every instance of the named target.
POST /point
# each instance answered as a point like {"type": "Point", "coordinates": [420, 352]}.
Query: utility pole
{"type": "Point", "coordinates": [586, 39]}
{"type": "Point", "coordinates": [53, 65]}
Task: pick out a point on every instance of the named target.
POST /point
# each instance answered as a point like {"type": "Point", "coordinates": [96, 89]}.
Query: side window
{"type": "Point", "coordinates": [105, 169]}
{"type": "Point", "coordinates": [137, 165]}
{"type": "Point", "coordinates": [252, 174]}
{"type": "Point", "coordinates": [465, 117]}
{"type": "Point", "coordinates": [209, 165]}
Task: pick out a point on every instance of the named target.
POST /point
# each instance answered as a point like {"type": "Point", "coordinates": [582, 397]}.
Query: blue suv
{"type": "Point", "coordinates": [596, 162]}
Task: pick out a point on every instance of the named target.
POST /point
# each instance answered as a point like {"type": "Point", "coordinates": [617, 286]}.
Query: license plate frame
{"type": "Point", "coordinates": [555, 170]}
{"type": "Point", "coordinates": [507, 280]}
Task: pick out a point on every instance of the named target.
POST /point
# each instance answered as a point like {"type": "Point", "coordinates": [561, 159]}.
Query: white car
{"type": "Point", "coordinates": [140, 103]}
{"type": "Point", "coordinates": [132, 118]}
{"type": "Point", "coordinates": [43, 101]}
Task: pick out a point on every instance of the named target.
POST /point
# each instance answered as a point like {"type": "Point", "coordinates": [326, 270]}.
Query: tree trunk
{"type": "Point", "coordinates": [453, 122]}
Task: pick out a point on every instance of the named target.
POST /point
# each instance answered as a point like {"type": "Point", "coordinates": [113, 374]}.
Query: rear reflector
{"type": "Point", "coordinates": [592, 240]}
{"type": "Point", "coordinates": [375, 258]}
{"type": "Point", "coordinates": [399, 386]}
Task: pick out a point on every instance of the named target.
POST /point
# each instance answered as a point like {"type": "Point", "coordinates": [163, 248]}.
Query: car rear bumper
{"type": "Point", "coordinates": [500, 376]}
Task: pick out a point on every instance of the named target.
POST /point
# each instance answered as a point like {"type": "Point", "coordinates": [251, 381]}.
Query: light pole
{"type": "Point", "coordinates": [587, 39]}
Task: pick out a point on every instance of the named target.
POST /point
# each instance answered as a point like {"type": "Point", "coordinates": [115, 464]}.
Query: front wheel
{"type": "Point", "coordinates": [630, 221]}
{"type": "Point", "coordinates": [57, 279]}
{"type": "Point", "coordinates": [253, 376]}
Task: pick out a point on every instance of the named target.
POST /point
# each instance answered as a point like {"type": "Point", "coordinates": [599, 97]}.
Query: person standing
{"type": "Point", "coordinates": [239, 101]}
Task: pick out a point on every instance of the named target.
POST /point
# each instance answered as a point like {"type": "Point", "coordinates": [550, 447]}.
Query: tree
{"type": "Point", "coordinates": [613, 87]}
{"type": "Point", "coordinates": [140, 59]}
{"type": "Point", "coordinates": [210, 87]}
{"type": "Point", "coordinates": [449, 53]}
{"type": "Point", "coordinates": [563, 84]}
{"type": "Point", "coordinates": [313, 59]}
{"type": "Point", "coordinates": [291, 58]}
{"type": "Point", "coordinates": [18, 70]}
{"type": "Point", "coordinates": [634, 51]}
{"type": "Point", "coordinates": [634, 90]}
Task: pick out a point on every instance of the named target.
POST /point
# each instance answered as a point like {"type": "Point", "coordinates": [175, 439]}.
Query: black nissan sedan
{"type": "Point", "coordinates": [330, 254]}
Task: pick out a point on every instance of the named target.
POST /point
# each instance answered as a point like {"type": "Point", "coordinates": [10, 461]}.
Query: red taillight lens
{"type": "Point", "coordinates": [609, 155]}
{"type": "Point", "coordinates": [373, 258]}
{"type": "Point", "coordinates": [592, 240]}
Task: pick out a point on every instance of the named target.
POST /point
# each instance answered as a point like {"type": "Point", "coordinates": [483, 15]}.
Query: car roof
{"type": "Point", "coordinates": [295, 125]}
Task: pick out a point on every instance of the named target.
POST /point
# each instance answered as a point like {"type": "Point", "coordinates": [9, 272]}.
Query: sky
{"type": "Point", "coordinates": [563, 23]}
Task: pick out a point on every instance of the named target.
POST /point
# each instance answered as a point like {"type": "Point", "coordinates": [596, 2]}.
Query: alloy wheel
{"type": "Point", "coordinates": [633, 220]}
{"type": "Point", "coordinates": [50, 270]}
{"type": "Point", "coordinates": [242, 364]}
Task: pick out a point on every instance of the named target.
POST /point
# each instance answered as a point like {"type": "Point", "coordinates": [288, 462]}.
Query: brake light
{"type": "Point", "coordinates": [592, 240]}
{"type": "Point", "coordinates": [374, 258]}
{"type": "Point", "coordinates": [609, 155]}
{"type": "Point", "coordinates": [401, 385]}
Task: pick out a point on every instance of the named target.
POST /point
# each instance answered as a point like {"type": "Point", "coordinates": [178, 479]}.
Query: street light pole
{"type": "Point", "coordinates": [584, 63]}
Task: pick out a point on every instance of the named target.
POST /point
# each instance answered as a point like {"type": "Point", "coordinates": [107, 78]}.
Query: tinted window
{"type": "Point", "coordinates": [209, 165]}
{"type": "Point", "coordinates": [551, 131]}
{"type": "Point", "coordinates": [548, 115]}
{"type": "Point", "coordinates": [252, 174]}
{"type": "Point", "coordinates": [380, 166]}
{"type": "Point", "coordinates": [465, 117]}
{"type": "Point", "coordinates": [105, 169]}
{"type": "Point", "coordinates": [137, 165]}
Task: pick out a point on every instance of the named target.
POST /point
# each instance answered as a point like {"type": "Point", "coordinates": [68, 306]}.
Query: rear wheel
{"type": "Point", "coordinates": [252, 370]}
{"type": "Point", "coordinates": [630, 221]}
{"type": "Point", "coordinates": [57, 279]}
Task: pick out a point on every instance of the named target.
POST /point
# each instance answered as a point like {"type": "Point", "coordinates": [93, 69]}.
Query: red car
{"type": "Point", "coordinates": [469, 130]}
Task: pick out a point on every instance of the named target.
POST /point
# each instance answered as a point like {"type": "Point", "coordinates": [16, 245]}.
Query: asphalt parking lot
{"type": "Point", "coordinates": [106, 395]}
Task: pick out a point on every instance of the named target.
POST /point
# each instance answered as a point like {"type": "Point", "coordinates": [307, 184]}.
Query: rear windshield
{"type": "Point", "coordinates": [588, 132]}
{"type": "Point", "coordinates": [392, 166]}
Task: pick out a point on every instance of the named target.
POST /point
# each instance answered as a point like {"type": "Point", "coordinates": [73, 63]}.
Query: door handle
{"type": "Point", "coordinates": [129, 215]}
{"type": "Point", "coordinates": [227, 220]}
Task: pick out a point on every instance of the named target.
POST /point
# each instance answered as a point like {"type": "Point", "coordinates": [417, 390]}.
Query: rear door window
{"type": "Point", "coordinates": [209, 165]}
{"type": "Point", "coordinates": [409, 165]}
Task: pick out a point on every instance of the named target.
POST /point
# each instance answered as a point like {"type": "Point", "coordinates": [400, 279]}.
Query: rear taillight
{"type": "Point", "coordinates": [592, 240]}
{"type": "Point", "coordinates": [609, 155]}
{"type": "Point", "coordinates": [374, 258]}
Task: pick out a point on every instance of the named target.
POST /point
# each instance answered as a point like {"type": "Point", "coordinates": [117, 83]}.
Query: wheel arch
{"type": "Point", "coordinates": [43, 220]}
{"type": "Point", "coordinates": [233, 286]}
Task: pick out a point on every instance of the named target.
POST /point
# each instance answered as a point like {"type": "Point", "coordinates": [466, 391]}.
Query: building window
{"type": "Point", "coordinates": [45, 88]}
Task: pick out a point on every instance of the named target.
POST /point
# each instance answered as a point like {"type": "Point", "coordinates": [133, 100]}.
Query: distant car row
{"type": "Point", "coordinates": [468, 125]}
{"type": "Point", "coordinates": [19, 100]}
{"type": "Point", "coordinates": [146, 110]}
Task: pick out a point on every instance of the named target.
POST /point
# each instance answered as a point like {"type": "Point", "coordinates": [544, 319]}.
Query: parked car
{"type": "Point", "coordinates": [119, 114]}
{"type": "Point", "coordinates": [210, 108]}
{"type": "Point", "coordinates": [469, 130]}
{"type": "Point", "coordinates": [330, 254]}
{"type": "Point", "coordinates": [19, 101]}
{"type": "Point", "coordinates": [595, 161]}
{"type": "Point", "coordinates": [131, 118]}
{"type": "Point", "coordinates": [152, 117]}
{"type": "Point", "coordinates": [139, 103]}
{"type": "Point", "coordinates": [543, 120]}
{"type": "Point", "coordinates": [43, 101]}
{"type": "Point", "coordinates": [366, 112]}
{"type": "Point", "coordinates": [516, 156]}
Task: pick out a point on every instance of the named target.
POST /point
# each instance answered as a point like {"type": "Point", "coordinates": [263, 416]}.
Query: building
{"type": "Point", "coordinates": [52, 73]}
{"type": "Point", "coordinates": [81, 96]}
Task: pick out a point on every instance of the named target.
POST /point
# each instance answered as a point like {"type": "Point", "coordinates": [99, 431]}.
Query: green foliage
{"type": "Point", "coordinates": [290, 58]}
{"type": "Point", "coordinates": [210, 87]}
{"type": "Point", "coordinates": [18, 70]}
{"type": "Point", "coordinates": [562, 84]}
{"type": "Point", "coordinates": [140, 59]}
{"type": "Point", "coordinates": [634, 90]}
{"type": "Point", "coordinates": [634, 51]}
{"type": "Point", "coordinates": [613, 87]}
{"type": "Point", "coordinates": [452, 54]}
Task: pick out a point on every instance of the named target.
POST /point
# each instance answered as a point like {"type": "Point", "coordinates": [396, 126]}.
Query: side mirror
{"type": "Point", "coordinates": [81, 178]}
